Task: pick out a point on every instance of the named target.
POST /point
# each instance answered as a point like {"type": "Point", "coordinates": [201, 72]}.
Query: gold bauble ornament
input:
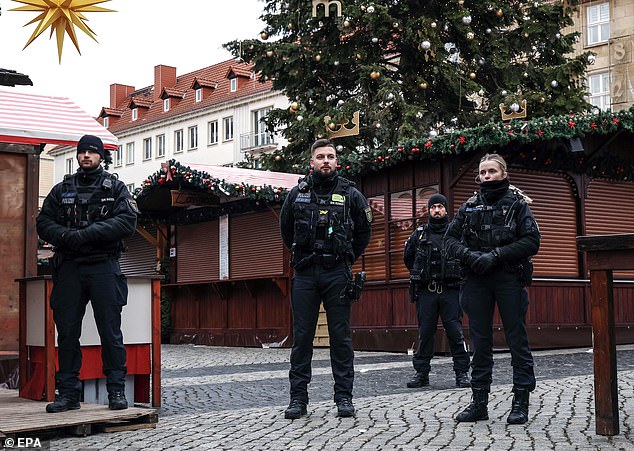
{"type": "Point", "coordinates": [294, 106]}
{"type": "Point", "coordinates": [470, 36]}
{"type": "Point", "coordinates": [423, 85]}
{"type": "Point", "coordinates": [289, 26]}
{"type": "Point", "coordinates": [332, 125]}
{"type": "Point", "coordinates": [278, 158]}
{"type": "Point", "coordinates": [433, 25]}
{"type": "Point", "coordinates": [346, 23]}
{"type": "Point", "coordinates": [264, 36]}
{"type": "Point", "coordinates": [375, 75]}
{"type": "Point", "coordinates": [269, 53]}
{"type": "Point", "coordinates": [461, 2]}
{"type": "Point", "coordinates": [542, 100]}
{"type": "Point", "coordinates": [472, 75]}
{"type": "Point", "coordinates": [499, 13]}
{"type": "Point", "coordinates": [318, 57]}
{"type": "Point", "coordinates": [359, 56]}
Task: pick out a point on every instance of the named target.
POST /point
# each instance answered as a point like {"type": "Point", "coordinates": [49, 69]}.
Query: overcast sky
{"type": "Point", "coordinates": [186, 34]}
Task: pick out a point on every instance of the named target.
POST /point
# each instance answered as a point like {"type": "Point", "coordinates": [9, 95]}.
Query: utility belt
{"type": "Point", "coordinates": [60, 258]}
{"type": "Point", "coordinates": [302, 260]}
{"type": "Point", "coordinates": [417, 285]}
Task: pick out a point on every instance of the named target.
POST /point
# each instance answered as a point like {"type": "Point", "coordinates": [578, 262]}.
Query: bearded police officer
{"type": "Point", "coordinates": [325, 222]}
{"type": "Point", "coordinates": [85, 217]}
{"type": "Point", "coordinates": [434, 287]}
{"type": "Point", "coordinates": [495, 234]}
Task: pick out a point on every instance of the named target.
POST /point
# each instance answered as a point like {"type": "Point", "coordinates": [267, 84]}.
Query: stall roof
{"type": "Point", "coordinates": [38, 119]}
{"type": "Point", "coordinates": [253, 177]}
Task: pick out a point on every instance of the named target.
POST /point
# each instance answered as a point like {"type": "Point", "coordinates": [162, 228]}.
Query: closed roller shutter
{"type": "Point", "coordinates": [140, 256]}
{"type": "Point", "coordinates": [554, 208]}
{"type": "Point", "coordinates": [197, 258]}
{"type": "Point", "coordinates": [610, 209]}
{"type": "Point", "coordinates": [255, 246]}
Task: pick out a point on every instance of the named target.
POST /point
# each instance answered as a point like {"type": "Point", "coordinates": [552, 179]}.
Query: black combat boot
{"type": "Point", "coordinates": [345, 408]}
{"type": "Point", "coordinates": [296, 409]}
{"type": "Point", "coordinates": [462, 379]}
{"type": "Point", "coordinates": [420, 379]}
{"type": "Point", "coordinates": [117, 401]}
{"type": "Point", "coordinates": [63, 402]}
{"type": "Point", "coordinates": [519, 407]}
{"type": "Point", "coordinates": [477, 410]}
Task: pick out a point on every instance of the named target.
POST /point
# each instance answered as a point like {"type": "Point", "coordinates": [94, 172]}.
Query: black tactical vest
{"type": "Point", "coordinates": [489, 226]}
{"type": "Point", "coordinates": [429, 262]}
{"type": "Point", "coordinates": [323, 223]}
{"type": "Point", "coordinates": [84, 205]}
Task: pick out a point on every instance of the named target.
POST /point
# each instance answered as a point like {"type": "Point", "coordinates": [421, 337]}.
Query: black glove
{"type": "Point", "coordinates": [73, 239]}
{"type": "Point", "coordinates": [470, 257]}
{"type": "Point", "coordinates": [485, 263]}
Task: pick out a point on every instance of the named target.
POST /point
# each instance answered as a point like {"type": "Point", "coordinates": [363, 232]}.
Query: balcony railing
{"type": "Point", "coordinates": [255, 140]}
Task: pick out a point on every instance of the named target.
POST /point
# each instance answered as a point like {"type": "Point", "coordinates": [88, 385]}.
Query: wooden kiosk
{"type": "Point", "coordinates": [27, 123]}
{"type": "Point", "coordinates": [141, 327]}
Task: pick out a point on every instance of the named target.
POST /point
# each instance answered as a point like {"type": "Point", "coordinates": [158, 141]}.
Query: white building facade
{"type": "Point", "coordinates": [210, 116]}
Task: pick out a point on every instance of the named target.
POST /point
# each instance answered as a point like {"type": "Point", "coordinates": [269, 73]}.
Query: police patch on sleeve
{"type": "Point", "coordinates": [368, 214]}
{"type": "Point", "coordinates": [133, 206]}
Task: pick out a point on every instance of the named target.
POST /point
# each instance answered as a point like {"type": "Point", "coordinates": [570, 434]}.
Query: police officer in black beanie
{"type": "Point", "coordinates": [86, 217]}
{"type": "Point", "coordinates": [434, 287]}
{"type": "Point", "coordinates": [494, 235]}
{"type": "Point", "coordinates": [325, 222]}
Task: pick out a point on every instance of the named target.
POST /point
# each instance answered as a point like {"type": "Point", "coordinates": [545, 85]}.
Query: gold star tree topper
{"type": "Point", "coordinates": [61, 16]}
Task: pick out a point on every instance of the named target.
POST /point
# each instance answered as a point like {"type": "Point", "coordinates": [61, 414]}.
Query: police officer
{"type": "Point", "coordinates": [325, 222]}
{"type": "Point", "coordinates": [85, 217]}
{"type": "Point", "coordinates": [434, 287]}
{"type": "Point", "coordinates": [494, 235]}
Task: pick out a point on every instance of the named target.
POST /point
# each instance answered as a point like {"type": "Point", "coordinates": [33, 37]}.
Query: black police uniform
{"type": "Point", "coordinates": [86, 217]}
{"type": "Point", "coordinates": [496, 223]}
{"type": "Point", "coordinates": [434, 286]}
{"type": "Point", "coordinates": [325, 222]}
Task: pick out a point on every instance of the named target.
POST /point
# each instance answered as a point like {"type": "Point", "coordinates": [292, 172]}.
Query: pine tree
{"type": "Point", "coordinates": [412, 68]}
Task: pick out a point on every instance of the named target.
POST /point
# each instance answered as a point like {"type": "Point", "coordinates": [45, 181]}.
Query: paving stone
{"type": "Point", "coordinates": [234, 398]}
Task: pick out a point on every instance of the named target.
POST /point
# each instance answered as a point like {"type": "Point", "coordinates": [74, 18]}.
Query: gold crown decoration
{"type": "Point", "coordinates": [340, 130]}
{"type": "Point", "coordinates": [327, 4]}
{"type": "Point", "coordinates": [517, 111]}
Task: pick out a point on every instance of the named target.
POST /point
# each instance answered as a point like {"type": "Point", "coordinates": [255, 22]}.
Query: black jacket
{"type": "Point", "coordinates": [104, 234]}
{"type": "Point", "coordinates": [514, 245]}
{"type": "Point", "coordinates": [360, 212]}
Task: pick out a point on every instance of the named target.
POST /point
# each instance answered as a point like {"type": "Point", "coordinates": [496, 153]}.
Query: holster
{"type": "Point", "coordinates": [352, 291]}
{"type": "Point", "coordinates": [414, 287]}
{"type": "Point", "coordinates": [525, 270]}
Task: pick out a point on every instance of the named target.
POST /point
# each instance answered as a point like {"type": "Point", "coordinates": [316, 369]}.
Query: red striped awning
{"type": "Point", "coordinates": [38, 119]}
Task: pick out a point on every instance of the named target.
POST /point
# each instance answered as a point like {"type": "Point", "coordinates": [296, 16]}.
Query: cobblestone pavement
{"type": "Point", "coordinates": [234, 398]}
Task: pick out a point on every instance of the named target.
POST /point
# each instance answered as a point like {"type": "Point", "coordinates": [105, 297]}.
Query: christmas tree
{"type": "Point", "coordinates": [410, 68]}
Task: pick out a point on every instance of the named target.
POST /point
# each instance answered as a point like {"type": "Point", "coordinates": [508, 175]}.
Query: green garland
{"type": "Point", "coordinates": [499, 134]}
{"type": "Point", "coordinates": [179, 176]}
{"type": "Point", "coordinates": [502, 134]}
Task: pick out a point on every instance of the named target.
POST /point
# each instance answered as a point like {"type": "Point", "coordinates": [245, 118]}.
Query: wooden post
{"type": "Point", "coordinates": [604, 347]}
{"type": "Point", "coordinates": [156, 342]}
{"type": "Point", "coordinates": [605, 253]}
{"type": "Point", "coordinates": [24, 363]}
{"type": "Point", "coordinates": [49, 343]}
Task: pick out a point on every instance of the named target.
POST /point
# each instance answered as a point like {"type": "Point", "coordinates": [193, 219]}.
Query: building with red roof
{"type": "Point", "coordinates": [210, 116]}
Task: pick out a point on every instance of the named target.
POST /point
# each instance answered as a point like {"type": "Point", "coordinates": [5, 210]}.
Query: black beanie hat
{"type": "Point", "coordinates": [91, 142]}
{"type": "Point", "coordinates": [437, 199]}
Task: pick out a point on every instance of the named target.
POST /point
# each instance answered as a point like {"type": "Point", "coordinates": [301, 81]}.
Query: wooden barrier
{"type": "Point", "coordinates": [605, 253]}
